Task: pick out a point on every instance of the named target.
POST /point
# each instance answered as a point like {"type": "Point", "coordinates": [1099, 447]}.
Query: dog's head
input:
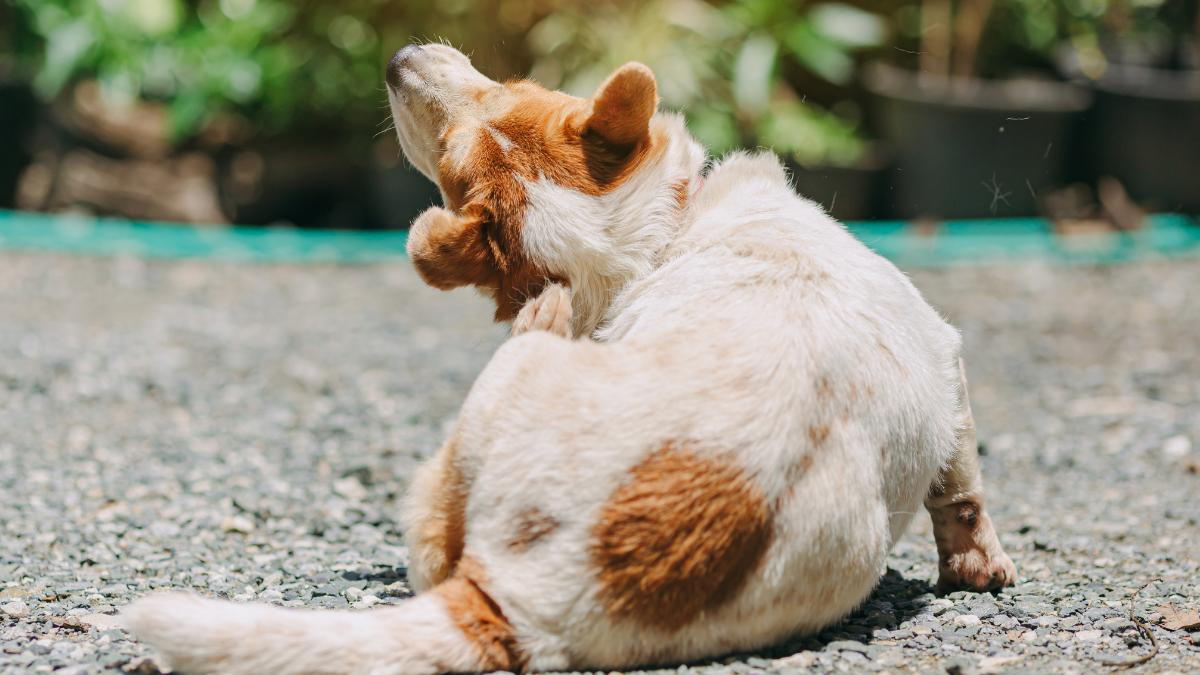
{"type": "Point", "coordinates": [537, 184]}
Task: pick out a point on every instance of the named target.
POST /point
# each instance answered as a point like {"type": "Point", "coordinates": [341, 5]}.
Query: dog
{"type": "Point", "coordinates": [717, 413]}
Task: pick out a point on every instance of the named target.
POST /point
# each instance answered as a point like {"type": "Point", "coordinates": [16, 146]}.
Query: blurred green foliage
{"type": "Point", "coordinates": [723, 65]}
{"type": "Point", "coordinates": [209, 57]}
{"type": "Point", "coordinates": [282, 63]}
{"type": "Point", "coordinates": [1143, 31]}
{"type": "Point", "coordinates": [1025, 34]}
{"type": "Point", "coordinates": [732, 66]}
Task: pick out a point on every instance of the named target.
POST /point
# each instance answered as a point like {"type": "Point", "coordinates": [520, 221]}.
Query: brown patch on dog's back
{"type": "Point", "coordinates": [532, 525]}
{"type": "Point", "coordinates": [824, 388]}
{"type": "Point", "coordinates": [792, 475]}
{"type": "Point", "coordinates": [680, 537]}
{"type": "Point", "coordinates": [802, 467]}
{"type": "Point", "coordinates": [887, 351]}
{"type": "Point", "coordinates": [480, 618]}
{"type": "Point", "coordinates": [817, 433]}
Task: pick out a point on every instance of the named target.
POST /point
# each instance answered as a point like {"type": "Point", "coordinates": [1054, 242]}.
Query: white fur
{"type": "Point", "coordinates": [503, 141]}
{"type": "Point", "coordinates": [601, 243]}
{"type": "Point", "coordinates": [207, 636]}
{"type": "Point", "coordinates": [712, 325]}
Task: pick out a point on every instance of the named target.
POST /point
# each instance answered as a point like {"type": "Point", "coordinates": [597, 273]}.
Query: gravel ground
{"type": "Point", "coordinates": [246, 431]}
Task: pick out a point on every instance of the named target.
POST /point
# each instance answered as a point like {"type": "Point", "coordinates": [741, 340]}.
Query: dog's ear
{"type": "Point", "coordinates": [451, 250]}
{"type": "Point", "coordinates": [624, 104]}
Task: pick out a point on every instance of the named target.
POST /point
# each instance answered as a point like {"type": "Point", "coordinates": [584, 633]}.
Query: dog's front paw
{"type": "Point", "coordinates": [970, 557]}
{"type": "Point", "coordinates": [550, 311]}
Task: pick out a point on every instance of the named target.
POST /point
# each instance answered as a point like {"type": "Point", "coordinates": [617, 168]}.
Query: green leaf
{"type": "Point", "coordinates": [187, 112]}
{"type": "Point", "coordinates": [810, 135]}
{"type": "Point", "coordinates": [819, 54]}
{"type": "Point", "coordinates": [754, 72]}
{"type": "Point", "coordinates": [848, 25]}
{"type": "Point", "coordinates": [65, 48]}
{"type": "Point", "coordinates": [155, 18]}
{"type": "Point", "coordinates": [714, 128]}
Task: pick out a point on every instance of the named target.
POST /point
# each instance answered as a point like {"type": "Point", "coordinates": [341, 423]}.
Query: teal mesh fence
{"type": "Point", "coordinates": [1165, 236]}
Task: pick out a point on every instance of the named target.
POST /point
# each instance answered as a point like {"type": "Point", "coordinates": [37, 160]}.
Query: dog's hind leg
{"type": "Point", "coordinates": [969, 552]}
{"type": "Point", "coordinates": [434, 518]}
{"type": "Point", "coordinates": [549, 311]}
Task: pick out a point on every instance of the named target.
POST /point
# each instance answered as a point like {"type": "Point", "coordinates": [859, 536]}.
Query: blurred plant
{"type": "Point", "coordinates": [821, 37]}
{"type": "Point", "coordinates": [204, 58]}
{"type": "Point", "coordinates": [993, 38]}
{"type": "Point", "coordinates": [1158, 33]}
{"type": "Point", "coordinates": [282, 63]}
{"type": "Point", "coordinates": [1147, 32]}
{"type": "Point", "coordinates": [721, 65]}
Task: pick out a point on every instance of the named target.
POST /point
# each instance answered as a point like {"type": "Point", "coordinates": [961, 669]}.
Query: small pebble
{"type": "Point", "coordinates": [16, 609]}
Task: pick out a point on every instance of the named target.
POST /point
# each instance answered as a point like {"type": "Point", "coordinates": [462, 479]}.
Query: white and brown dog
{"type": "Point", "coordinates": [716, 415]}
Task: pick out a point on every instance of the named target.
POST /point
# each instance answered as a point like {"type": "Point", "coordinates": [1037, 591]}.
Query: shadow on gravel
{"type": "Point", "coordinates": [894, 601]}
{"type": "Point", "coordinates": [386, 575]}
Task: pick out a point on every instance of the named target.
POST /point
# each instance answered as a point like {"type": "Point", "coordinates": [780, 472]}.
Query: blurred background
{"type": "Point", "coordinates": [273, 111]}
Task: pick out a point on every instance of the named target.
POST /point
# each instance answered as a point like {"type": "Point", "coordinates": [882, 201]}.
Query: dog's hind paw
{"type": "Point", "coordinates": [970, 557]}
{"type": "Point", "coordinates": [550, 311]}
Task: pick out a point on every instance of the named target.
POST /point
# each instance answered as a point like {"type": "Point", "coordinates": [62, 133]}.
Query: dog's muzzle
{"type": "Point", "coordinates": [400, 61]}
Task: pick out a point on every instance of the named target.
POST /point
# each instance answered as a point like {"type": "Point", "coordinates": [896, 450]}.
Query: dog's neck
{"type": "Point", "coordinates": [632, 226]}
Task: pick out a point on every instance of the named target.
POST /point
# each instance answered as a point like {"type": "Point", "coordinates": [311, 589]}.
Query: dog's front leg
{"type": "Point", "coordinates": [969, 553]}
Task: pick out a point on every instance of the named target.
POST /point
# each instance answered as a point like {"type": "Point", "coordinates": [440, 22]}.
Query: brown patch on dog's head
{"type": "Point", "coordinates": [532, 526]}
{"type": "Point", "coordinates": [480, 619]}
{"type": "Point", "coordinates": [517, 134]}
{"type": "Point", "coordinates": [679, 538]}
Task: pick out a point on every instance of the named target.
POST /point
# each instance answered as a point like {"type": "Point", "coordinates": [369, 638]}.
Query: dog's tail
{"type": "Point", "coordinates": [453, 628]}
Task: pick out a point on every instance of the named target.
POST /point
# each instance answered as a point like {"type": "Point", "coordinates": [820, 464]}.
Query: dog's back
{"type": "Point", "coordinates": [733, 462]}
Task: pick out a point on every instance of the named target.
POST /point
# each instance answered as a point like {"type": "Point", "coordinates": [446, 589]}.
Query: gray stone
{"type": "Point", "coordinates": [847, 645]}
{"type": "Point", "coordinates": [15, 609]}
{"type": "Point", "coordinates": [258, 388]}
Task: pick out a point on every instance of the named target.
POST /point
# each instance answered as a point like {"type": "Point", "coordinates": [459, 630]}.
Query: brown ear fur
{"type": "Point", "coordinates": [449, 250]}
{"type": "Point", "coordinates": [624, 104]}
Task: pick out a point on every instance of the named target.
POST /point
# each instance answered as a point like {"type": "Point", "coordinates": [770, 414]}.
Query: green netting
{"type": "Point", "coordinates": [954, 242]}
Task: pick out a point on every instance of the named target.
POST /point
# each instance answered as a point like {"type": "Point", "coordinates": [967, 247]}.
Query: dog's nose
{"type": "Point", "coordinates": [399, 60]}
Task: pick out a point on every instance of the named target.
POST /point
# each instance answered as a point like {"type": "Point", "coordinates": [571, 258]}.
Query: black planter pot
{"type": "Point", "coordinates": [972, 148]}
{"type": "Point", "coordinates": [846, 192]}
{"type": "Point", "coordinates": [18, 113]}
{"type": "Point", "coordinates": [398, 192]}
{"type": "Point", "coordinates": [303, 183]}
{"type": "Point", "coordinates": [1145, 131]}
